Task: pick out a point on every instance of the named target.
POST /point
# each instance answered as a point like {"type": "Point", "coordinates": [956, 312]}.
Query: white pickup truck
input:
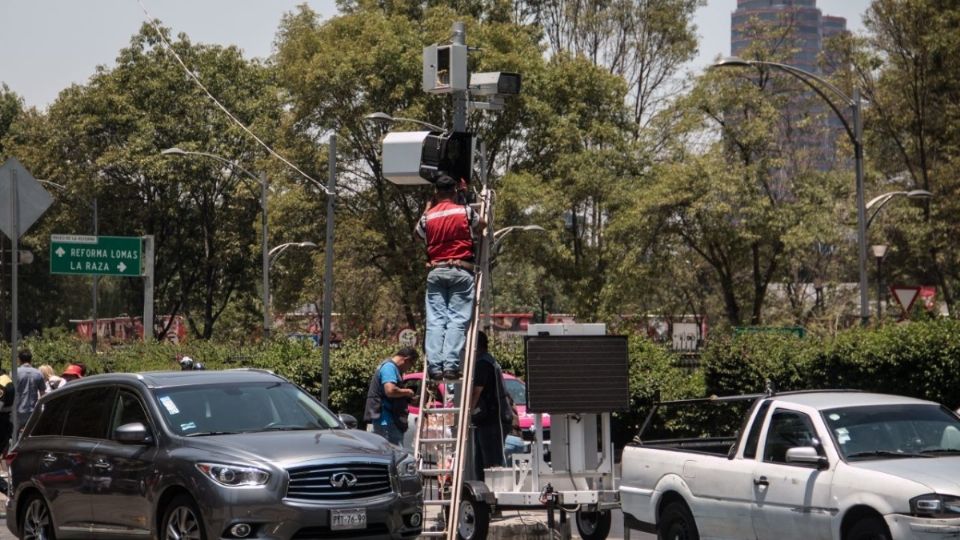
{"type": "Point", "coordinates": [806, 465]}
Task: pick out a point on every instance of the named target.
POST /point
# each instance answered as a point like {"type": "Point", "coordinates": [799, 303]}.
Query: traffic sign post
{"type": "Point", "coordinates": [96, 255]}
{"type": "Point", "coordinates": [905, 296]}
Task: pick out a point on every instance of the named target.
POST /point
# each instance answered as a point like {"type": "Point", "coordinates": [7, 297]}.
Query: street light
{"type": "Point", "coordinates": [854, 131]}
{"type": "Point", "coordinates": [92, 203]}
{"type": "Point", "coordinates": [264, 247]}
{"type": "Point", "coordinates": [386, 118]}
{"type": "Point", "coordinates": [276, 251]}
{"type": "Point", "coordinates": [879, 251]}
{"type": "Point", "coordinates": [500, 234]}
{"type": "Point", "coordinates": [880, 200]}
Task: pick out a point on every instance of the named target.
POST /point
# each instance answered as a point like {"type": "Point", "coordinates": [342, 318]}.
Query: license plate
{"type": "Point", "coordinates": [354, 518]}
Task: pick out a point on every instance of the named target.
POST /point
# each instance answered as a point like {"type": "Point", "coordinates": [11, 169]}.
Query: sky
{"type": "Point", "coordinates": [47, 45]}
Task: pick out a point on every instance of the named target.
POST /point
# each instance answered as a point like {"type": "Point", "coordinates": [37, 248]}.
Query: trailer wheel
{"type": "Point", "coordinates": [593, 525]}
{"type": "Point", "coordinates": [677, 523]}
{"type": "Point", "coordinates": [474, 519]}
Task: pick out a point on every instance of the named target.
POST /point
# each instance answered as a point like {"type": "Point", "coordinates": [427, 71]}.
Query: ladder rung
{"type": "Point", "coordinates": [442, 410]}
{"type": "Point", "coordinates": [437, 441]}
{"type": "Point", "coordinates": [434, 534]}
{"type": "Point", "coordinates": [430, 472]}
{"type": "Point", "coordinates": [444, 502]}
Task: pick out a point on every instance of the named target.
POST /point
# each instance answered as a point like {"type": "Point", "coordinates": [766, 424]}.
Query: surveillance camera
{"type": "Point", "coordinates": [495, 83]}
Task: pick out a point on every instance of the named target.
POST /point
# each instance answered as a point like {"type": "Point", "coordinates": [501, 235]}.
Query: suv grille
{"type": "Point", "coordinates": [339, 481]}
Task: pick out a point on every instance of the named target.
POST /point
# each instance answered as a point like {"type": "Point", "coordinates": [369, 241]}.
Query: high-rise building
{"type": "Point", "coordinates": [800, 30]}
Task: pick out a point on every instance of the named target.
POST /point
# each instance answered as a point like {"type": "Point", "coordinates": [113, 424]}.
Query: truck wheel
{"type": "Point", "coordinates": [593, 525]}
{"type": "Point", "coordinates": [474, 518]}
{"type": "Point", "coordinates": [869, 529]}
{"type": "Point", "coordinates": [676, 523]}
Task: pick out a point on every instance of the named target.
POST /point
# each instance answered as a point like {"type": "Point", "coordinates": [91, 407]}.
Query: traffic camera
{"type": "Point", "coordinates": [418, 157]}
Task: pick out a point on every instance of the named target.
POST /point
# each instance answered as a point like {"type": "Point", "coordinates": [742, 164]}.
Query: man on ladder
{"type": "Point", "coordinates": [448, 226]}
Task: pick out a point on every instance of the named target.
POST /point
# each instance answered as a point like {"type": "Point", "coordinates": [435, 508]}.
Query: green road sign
{"type": "Point", "coordinates": [102, 255]}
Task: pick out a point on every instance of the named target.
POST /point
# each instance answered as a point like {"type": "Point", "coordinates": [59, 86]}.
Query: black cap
{"type": "Point", "coordinates": [445, 182]}
{"type": "Point", "coordinates": [409, 353]}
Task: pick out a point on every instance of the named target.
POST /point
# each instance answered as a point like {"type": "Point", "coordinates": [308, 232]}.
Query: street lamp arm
{"type": "Point", "coordinates": [384, 117]}
{"type": "Point", "coordinates": [804, 77]}
{"type": "Point", "coordinates": [221, 159]}
{"type": "Point", "coordinates": [881, 200]}
{"type": "Point", "coordinates": [275, 253]}
{"type": "Point", "coordinates": [64, 189]}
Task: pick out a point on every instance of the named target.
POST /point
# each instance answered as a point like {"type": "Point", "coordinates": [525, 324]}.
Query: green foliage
{"type": "Point", "coordinates": [919, 359]}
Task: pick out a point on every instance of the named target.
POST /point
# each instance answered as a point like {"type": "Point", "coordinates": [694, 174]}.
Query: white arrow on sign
{"type": "Point", "coordinates": [122, 266]}
{"type": "Point", "coordinates": [60, 252]}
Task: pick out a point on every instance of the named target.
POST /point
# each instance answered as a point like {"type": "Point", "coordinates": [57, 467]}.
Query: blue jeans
{"type": "Point", "coordinates": [390, 432]}
{"type": "Point", "coordinates": [449, 309]}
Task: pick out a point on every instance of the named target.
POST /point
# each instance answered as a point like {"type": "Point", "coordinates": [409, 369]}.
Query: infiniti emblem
{"type": "Point", "coordinates": [343, 480]}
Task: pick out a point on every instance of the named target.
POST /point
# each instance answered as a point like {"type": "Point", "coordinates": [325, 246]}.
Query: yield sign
{"type": "Point", "coordinates": [32, 199]}
{"type": "Point", "coordinates": [905, 296]}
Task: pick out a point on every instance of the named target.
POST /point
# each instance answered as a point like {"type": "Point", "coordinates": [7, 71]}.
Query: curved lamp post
{"type": "Point", "coordinates": [386, 118]}
{"type": "Point", "coordinates": [275, 253]}
{"type": "Point", "coordinates": [880, 200]}
{"type": "Point", "coordinates": [854, 129]}
{"type": "Point", "coordinates": [262, 180]}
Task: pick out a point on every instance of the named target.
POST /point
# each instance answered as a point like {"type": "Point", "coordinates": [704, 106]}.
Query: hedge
{"type": "Point", "coordinates": [652, 372]}
{"type": "Point", "coordinates": [918, 359]}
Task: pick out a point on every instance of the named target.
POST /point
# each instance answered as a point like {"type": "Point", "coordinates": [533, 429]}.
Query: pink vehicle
{"type": "Point", "coordinates": [515, 387]}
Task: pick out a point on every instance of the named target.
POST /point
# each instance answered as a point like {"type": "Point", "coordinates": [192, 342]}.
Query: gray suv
{"type": "Point", "coordinates": [204, 455]}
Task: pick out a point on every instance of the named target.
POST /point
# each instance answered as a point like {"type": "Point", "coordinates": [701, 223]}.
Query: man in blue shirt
{"type": "Point", "coordinates": [387, 400]}
{"type": "Point", "coordinates": [30, 386]}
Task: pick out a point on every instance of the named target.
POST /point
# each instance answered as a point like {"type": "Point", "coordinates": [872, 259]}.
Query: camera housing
{"type": "Point", "coordinates": [495, 83]}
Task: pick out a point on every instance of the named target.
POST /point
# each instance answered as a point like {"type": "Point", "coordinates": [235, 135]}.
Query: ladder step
{"type": "Point", "coordinates": [433, 534]}
{"type": "Point", "coordinates": [441, 410]}
{"type": "Point", "coordinates": [432, 472]}
{"type": "Point", "coordinates": [445, 502]}
{"type": "Point", "coordinates": [437, 441]}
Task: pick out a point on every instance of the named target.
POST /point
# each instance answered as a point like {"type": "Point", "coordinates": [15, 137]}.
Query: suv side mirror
{"type": "Point", "coordinates": [133, 433]}
{"type": "Point", "coordinates": [807, 455]}
{"type": "Point", "coordinates": [348, 420]}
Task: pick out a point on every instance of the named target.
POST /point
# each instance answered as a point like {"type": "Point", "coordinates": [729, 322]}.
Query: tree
{"type": "Point", "coordinates": [909, 68]}
{"type": "Point", "coordinates": [104, 140]}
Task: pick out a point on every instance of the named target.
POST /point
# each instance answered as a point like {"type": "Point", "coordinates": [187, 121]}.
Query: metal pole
{"type": "Point", "coordinates": [861, 209]}
{"type": "Point", "coordinates": [328, 270]}
{"type": "Point", "coordinates": [264, 252]}
{"type": "Point", "coordinates": [96, 284]}
{"type": "Point", "coordinates": [879, 290]}
{"type": "Point", "coordinates": [148, 288]}
{"type": "Point", "coordinates": [487, 309]}
{"type": "Point", "coordinates": [14, 330]}
{"type": "Point", "coordinates": [459, 96]}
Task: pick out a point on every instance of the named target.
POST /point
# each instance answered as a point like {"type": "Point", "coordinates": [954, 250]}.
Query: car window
{"type": "Point", "coordinates": [52, 415]}
{"type": "Point", "coordinates": [89, 413]}
{"type": "Point", "coordinates": [517, 391]}
{"type": "Point", "coordinates": [128, 410]}
{"type": "Point", "coordinates": [753, 438]}
{"type": "Point", "coordinates": [212, 409]}
{"type": "Point", "coordinates": [884, 431]}
{"type": "Point", "coordinates": [788, 429]}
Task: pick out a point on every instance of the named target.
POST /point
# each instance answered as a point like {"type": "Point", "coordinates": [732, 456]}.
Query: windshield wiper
{"type": "Point", "coordinates": [886, 454]}
{"type": "Point", "coordinates": [289, 428]}
{"type": "Point", "coordinates": [942, 451]}
{"type": "Point", "coordinates": [206, 433]}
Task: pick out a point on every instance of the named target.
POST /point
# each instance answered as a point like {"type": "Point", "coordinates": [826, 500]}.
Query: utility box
{"type": "Point", "coordinates": [401, 157]}
{"type": "Point", "coordinates": [445, 69]}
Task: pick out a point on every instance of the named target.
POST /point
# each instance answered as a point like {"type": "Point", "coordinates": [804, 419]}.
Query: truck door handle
{"type": "Point", "coordinates": [48, 458]}
{"type": "Point", "coordinates": [762, 481]}
{"type": "Point", "coordinates": [101, 464]}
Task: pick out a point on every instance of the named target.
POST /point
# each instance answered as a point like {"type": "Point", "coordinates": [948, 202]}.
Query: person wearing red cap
{"type": "Point", "coordinates": [72, 372]}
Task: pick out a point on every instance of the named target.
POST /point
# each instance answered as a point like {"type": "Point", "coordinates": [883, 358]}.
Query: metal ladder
{"type": "Point", "coordinates": [440, 443]}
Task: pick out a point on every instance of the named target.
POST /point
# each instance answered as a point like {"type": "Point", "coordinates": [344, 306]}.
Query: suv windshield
{"type": "Point", "coordinates": [216, 409]}
{"type": "Point", "coordinates": [892, 431]}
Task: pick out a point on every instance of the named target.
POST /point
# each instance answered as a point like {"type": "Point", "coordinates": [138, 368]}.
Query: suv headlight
{"type": "Point", "coordinates": [407, 467]}
{"type": "Point", "coordinates": [234, 476]}
{"type": "Point", "coordinates": [935, 505]}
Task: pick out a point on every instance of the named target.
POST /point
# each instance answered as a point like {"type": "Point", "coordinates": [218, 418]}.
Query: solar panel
{"type": "Point", "coordinates": [577, 374]}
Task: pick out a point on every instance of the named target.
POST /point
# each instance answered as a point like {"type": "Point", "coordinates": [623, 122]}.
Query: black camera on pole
{"type": "Point", "coordinates": [450, 153]}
